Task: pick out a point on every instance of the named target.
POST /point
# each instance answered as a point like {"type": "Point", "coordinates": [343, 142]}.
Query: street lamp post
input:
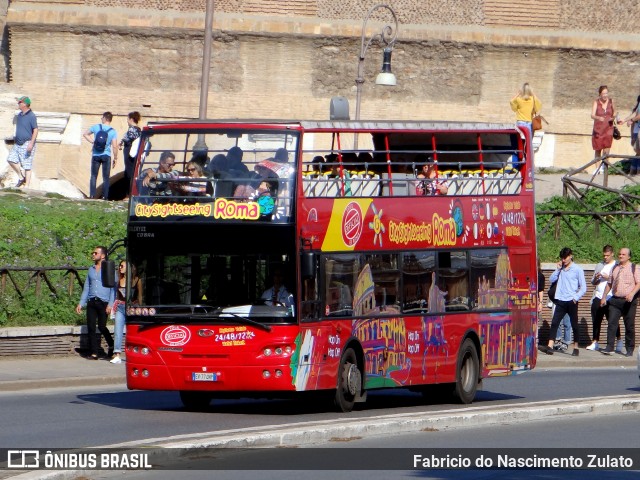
{"type": "Point", "coordinates": [388, 38]}
{"type": "Point", "coordinates": [206, 67]}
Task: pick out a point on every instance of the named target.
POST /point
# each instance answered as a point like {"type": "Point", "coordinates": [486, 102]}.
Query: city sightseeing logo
{"type": "Point", "coordinates": [175, 336]}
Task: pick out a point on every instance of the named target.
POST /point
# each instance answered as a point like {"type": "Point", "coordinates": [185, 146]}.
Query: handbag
{"type": "Point", "coordinates": [616, 133]}
{"type": "Point", "coordinates": [536, 118]}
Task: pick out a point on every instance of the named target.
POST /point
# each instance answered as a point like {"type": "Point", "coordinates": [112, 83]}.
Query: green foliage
{"type": "Point", "coordinates": [587, 248]}
{"type": "Point", "coordinates": [47, 232]}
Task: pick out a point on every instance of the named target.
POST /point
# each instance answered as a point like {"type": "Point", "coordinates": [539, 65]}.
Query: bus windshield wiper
{"type": "Point", "coordinates": [247, 320]}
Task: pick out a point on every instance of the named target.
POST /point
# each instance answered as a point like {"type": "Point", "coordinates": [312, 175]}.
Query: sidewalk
{"type": "Point", "coordinates": [27, 373]}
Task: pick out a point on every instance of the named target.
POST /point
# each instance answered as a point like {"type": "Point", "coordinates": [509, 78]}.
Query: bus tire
{"type": "Point", "coordinates": [195, 401]}
{"type": "Point", "coordinates": [349, 381]}
{"type": "Point", "coordinates": [467, 372]}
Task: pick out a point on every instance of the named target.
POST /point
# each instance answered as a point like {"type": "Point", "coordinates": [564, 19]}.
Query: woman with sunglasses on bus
{"type": "Point", "coordinates": [194, 170]}
{"type": "Point", "coordinates": [135, 298]}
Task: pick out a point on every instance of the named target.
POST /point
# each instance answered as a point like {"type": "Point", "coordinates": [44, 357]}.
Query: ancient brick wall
{"type": "Point", "coordinates": [454, 59]}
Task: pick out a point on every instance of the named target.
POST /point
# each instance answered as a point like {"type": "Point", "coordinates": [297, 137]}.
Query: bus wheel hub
{"type": "Point", "coordinates": [353, 379]}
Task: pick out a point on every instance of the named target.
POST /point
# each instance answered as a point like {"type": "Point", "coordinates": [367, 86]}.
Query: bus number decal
{"type": "Point", "coordinates": [233, 336]}
{"type": "Point", "coordinates": [175, 336]}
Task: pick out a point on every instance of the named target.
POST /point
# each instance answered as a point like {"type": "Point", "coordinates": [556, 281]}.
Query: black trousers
{"type": "Point", "coordinates": [619, 307]}
{"type": "Point", "coordinates": [562, 308]}
{"type": "Point", "coordinates": [597, 314]}
{"type": "Point", "coordinates": [97, 313]}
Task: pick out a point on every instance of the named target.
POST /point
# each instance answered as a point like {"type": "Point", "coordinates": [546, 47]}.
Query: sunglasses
{"type": "Point", "coordinates": [191, 169]}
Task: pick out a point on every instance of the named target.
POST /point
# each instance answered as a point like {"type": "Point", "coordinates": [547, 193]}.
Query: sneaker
{"type": "Point", "coordinates": [619, 345]}
{"type": "Point", "coordinates": [575, 353]}
{"type": "Point", "coordinates": [116, 359]}
{"type": "Point", "coordinates": [593, 346]}
{"type": "Point", "coordinates": [21, 182]}
{"type": "Point", "coordinates": [629, 353]}
{"type": "Point", "coordinates": [606, 351]}
{"type": "Point", "coordinates": [557, 346]}
{"type": "Point", "coordinates": [564, 347]}
{"type": "Point", "coordinates": [92, 357]}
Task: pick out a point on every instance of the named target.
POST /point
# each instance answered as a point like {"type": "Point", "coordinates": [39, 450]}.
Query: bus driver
{"type": "Point", "coordinates": [277, 294]}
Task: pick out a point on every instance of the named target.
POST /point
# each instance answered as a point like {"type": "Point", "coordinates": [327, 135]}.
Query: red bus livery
{"type": "Point", "coordinates": [296, 263]}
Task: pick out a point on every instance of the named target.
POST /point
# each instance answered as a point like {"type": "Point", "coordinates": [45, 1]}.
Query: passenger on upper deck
{"type": "Point", "coordinates": [163, 173]}
{"type": "Point", "coordinates": [194, 170]}
{"type": "Point", "coordinates": [430, 185]}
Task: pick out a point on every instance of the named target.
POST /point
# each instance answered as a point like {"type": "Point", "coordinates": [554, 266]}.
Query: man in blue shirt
{"type": "Point", "coordinates": [570, 288]}
{"type": "Point", "coordinates": [98, 299]}
{"type": "Point", "coordinates": [101, 154]}
{"type": "Point", "coordinates": [24, 147]}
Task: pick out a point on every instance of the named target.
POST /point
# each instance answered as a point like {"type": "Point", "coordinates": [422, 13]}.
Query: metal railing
{"type": "Point", "coordinates": [38, 277]}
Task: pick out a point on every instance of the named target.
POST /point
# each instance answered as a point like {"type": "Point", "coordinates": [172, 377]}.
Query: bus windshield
{"type": "Point", "coordinates": [205, 283]}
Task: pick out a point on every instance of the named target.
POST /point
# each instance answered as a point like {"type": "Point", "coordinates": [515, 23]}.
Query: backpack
{"type": "Point", "coordinates": [552, 291]}
{"type": "Point", "coordinates": [101, 139]}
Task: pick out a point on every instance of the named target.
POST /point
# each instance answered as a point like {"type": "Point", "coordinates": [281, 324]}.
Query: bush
{"type": "Point", "coordinates": [51, 232]}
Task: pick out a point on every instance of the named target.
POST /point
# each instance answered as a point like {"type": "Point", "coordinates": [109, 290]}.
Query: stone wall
{"type": "Point", "coordinates": [454, 59]}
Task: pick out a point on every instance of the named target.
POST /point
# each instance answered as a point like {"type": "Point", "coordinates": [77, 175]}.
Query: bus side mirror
{"type": "Point", "coordinates": [308, 265]}
{"type": "Point", "coordinates": [108, 273]}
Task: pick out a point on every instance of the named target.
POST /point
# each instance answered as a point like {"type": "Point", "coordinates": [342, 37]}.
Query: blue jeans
{"type": "Point", "coordinates": [522, 123]}
{"type": "Point", "coordinates": [96, 162]}
{"type": "Point", "coordinates": [119, 328]}
{"type": "Point", "coordinates": [565, 326]}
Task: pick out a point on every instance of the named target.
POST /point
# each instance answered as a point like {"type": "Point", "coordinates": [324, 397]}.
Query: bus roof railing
{"type": "Point", "coordinates": [368, 125]}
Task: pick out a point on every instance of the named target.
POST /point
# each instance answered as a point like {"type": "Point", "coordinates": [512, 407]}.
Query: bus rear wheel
{"type": "Point", "coordinates": [349, 381]}
{"type": "Point", "coordinates": [467, 372]}
{"type": "Point", "coordinates": [195, 401]}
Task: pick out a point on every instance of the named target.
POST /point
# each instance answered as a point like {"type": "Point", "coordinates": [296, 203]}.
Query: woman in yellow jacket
{"type": "Point", "coordinates": [523, 104]}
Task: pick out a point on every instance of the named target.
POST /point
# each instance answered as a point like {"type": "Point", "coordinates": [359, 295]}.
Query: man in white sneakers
{"type": "Point", "coordinates": [598, 311]}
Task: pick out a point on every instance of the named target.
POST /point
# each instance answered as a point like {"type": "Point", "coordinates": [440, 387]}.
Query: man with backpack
{"type": "Point", "coordinates": [570, 288]}
{"type": "Point", "coordinates": [624, 284]}
{"type": "Point", "coordinates": [103, 137]}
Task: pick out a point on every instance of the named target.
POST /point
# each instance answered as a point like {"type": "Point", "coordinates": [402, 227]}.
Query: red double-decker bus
{"type": "Point", "coordinates": [277, 259]}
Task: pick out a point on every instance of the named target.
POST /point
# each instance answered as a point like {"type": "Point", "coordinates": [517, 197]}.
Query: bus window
{"type": "Point", "coordinates": [340, 276]}
{"type": "Point", "coordinates": [417, 271]}
{"type": "Point", "coordinates": [453, 280]}
{"type": "Point", "coordinates": [489, 283]}
{"type": "Point", "coordinates": [385, 277]}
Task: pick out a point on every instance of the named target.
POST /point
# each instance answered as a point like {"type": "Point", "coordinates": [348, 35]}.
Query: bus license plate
{"type": "Point", "coordinates": [204, 377]}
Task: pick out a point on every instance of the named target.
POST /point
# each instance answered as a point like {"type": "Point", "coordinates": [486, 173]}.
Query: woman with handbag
{"type": "Point", "coordinates": [603, 114]}
{"type": "Point", "coordinates": [633, 121]}
{"type": "Point", "coordinates": [526, 105]}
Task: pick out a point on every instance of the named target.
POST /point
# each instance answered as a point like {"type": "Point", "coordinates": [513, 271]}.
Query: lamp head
{"type": "Point", "coordinates": [385, 77]}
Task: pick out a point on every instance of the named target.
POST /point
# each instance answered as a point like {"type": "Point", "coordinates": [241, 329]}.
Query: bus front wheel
{"type": "Point", "coordinates": [467, 372]}
{"type": "Point", "coordinates": [195, 401]}
{"type": "Point", "coordinates": [349, 381]}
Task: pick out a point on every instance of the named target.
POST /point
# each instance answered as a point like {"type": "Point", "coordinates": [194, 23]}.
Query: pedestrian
{"type": "Point", "coordinates": [126, 142]}
{"type": "Point", "coordinates": [24, 148]}
{"type": "Point", "coordinates": [633, 121]}
{"type": "Point", "coordinates": [563, 337]}
{"type": "Point", "coordinates": [125, 269]}
{"type": "Point", "coordinates": [603, 113]}
{"type": "Point", "coordinates": [524, 103]}
{"type": "Point", "coordinates": [601, 275]}
{"type": "Point", "coordinates": [624, 283]}
{"type": "Point", "coordinates": [103, 138]}
{"type": "Point", "coordinates": [99, 300]}
{"type": "Point", "coordinates": [570, 288]}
